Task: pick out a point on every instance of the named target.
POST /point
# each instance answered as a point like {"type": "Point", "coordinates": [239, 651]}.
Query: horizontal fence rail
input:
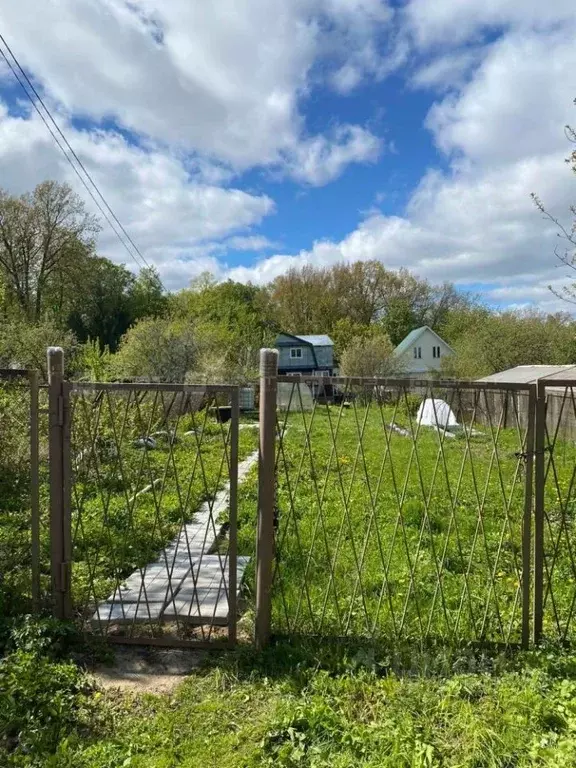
{"type": "Point", "coordinates": [400, 520]}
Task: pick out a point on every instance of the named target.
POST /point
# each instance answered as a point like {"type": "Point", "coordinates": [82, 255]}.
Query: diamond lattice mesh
{"type": "Point", "coordinates": [390, 528]}
{"type": "Point", "coordinates": [559, 545]}
{"type": "Point", "coordinates": [150, 502]}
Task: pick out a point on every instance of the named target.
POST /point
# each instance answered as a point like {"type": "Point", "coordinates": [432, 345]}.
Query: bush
{"type": "Point", "coordinates": [408, 405]}
{"type": "Point", "coordinates": [157, 349]}
{"type": "Point", "coordinates": [41, 702]}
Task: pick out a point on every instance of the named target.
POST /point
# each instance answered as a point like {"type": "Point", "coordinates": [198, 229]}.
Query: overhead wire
{"type": "Point", "coordinates": [60, 133]}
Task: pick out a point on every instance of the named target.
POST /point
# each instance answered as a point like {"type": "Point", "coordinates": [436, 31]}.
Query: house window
{"type": "Point", "coordinates": [417, 353]}
{"type": "Point", "coordinates": [296, 353]}
{"type": "Point", "coordinates": [436, 352]}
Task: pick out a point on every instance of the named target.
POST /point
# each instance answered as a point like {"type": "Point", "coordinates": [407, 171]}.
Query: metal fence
{"type": "Point", "coordinates": [398, 520]}
{"type": "Point", "coordinates": [400, 510]}
{"type": "Point", "coordinates": [144, 512]}
{"type": "Point", "coordinates": [555, 512]}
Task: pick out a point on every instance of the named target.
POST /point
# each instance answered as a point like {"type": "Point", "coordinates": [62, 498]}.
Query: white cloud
{"type": "Point", "coordinates": [475, 223]}
{"type": "Point", "coordinates": [222, 79]}
{"type": "Point", "coordinates": [517, 102]}
{"type": "Point", "coordinates": [447, 71]}
{"type": "Point", "coordinates": [321, 159]}
{"type": "Point", "coordinates": [249, 243]}
{"type": "Point", "coordinates": [170, 215]}
{"type": "Point", "coordinates": [454, 21]}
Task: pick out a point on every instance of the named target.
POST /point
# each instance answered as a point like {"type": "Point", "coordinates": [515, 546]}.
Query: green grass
{"type": "Point", "coordinates": [313, 706]}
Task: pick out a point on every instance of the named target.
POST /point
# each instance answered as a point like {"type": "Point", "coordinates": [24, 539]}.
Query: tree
{"type": "Point", "coordinates": [103, 310]}
{"type": "Point", "coordinates": [232, 322]}
{"type": "Point", "coordinates": [147, 297]}
{"type": "Point", "coordinates": [566, 254]}
{"type": "Point", "coordinates": [492, 342]}
{"type": "Point", "coordinates": [113, 299]}
{"type": "Point", "coordinates": [314, 300]}
{"type": "Point", "coordinates": [24, 345]}
{"type": "Point", "coordinates": [157, 349]}
{"type": "Point", "coordinates": [369, 357]}
{"type": "Point", "coordinates": [42, 236]}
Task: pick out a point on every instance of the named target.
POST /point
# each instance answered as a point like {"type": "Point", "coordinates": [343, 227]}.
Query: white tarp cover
{"type": "Point", "coordinates": [436, 413]}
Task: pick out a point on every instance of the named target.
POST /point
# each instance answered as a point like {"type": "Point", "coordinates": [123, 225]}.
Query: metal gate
{"type": "Point", "coordinates": [144, 503]}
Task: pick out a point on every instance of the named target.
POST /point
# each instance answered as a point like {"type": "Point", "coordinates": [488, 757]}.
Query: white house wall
{"type": "Point", "coordinates": [427, 341]}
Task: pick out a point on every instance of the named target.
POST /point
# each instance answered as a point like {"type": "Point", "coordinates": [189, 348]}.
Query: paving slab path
{"type": "Point", "coordinates": [187, 582]}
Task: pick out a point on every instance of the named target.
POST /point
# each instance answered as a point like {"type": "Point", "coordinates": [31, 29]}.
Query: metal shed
{"type": "Point", "coordinates": [560, 410]}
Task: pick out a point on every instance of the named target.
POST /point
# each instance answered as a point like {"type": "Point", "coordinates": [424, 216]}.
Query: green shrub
{"type": "Point", "coordinates": [46, 636]}
{"type": "Point", "coordinates": [408, 406]}
{"type": "Point", "coordinates": [41, 701]}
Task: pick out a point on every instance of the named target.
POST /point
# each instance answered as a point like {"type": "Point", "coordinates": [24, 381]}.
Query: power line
{"type": "Point", "coordinates": [74, 155]}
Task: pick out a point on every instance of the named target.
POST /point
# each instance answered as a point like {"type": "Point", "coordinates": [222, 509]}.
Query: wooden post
{"type": "Point", "coordinates": [56, 448]}
{"type": "Point", "coordinates": [266, 495]}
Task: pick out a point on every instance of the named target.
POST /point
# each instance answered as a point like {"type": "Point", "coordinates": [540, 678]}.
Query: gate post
{"type": "Point", "coordinates": [527, 519]}
{"type": "Point", "coordinates": [539, 481]}
{"type": "Point", "coordinates": [59, 518]}
{"type": "Point", "coordinates": [266, 495]}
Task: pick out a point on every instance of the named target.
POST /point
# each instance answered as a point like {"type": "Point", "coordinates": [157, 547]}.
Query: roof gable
{"type": "Point", "coordinates": [413, 337]}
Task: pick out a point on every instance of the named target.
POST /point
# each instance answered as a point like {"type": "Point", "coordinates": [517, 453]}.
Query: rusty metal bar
{"type": "Point", "coordinates": [527, 522]}
{"type": "Point", "coordinates": [411, 384]}
{"type": "Point", "coordinates": [266, 493]}
{"type": "Point", "coordinates": [14, 373]}
{"type": "Point", "coordinates": [167, 641]}
{"type": "Point", "coordinates": [66, 502]}
{"type": "Point", "coordinates": [34, 490]}
{"type": "Point", "coordinates": [539, 480]}
{"type": "Point", "coordinates": [233, 521]}
{"type": "Point", "coordinates": [81, 386]}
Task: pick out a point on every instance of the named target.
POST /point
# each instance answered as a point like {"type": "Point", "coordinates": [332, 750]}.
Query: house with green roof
{"type": "Point", "coordinates": [422, 353]}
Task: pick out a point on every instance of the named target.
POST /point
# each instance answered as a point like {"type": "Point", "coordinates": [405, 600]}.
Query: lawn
{"type": "Point", "coordinates": [385, 539]}
{"type": "Point", "coordinates": [305, 704]}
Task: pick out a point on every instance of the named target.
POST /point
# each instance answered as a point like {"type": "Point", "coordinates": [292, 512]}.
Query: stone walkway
{"type": "Point", "coordinates": [185, 583]}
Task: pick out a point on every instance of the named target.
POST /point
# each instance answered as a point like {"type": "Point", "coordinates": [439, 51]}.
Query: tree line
{"type": "Point", "coordinates": [56, 289]}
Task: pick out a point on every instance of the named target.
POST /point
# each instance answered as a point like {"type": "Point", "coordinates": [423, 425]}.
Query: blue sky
{"type": "Point", "coordinates": [245, 137]}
